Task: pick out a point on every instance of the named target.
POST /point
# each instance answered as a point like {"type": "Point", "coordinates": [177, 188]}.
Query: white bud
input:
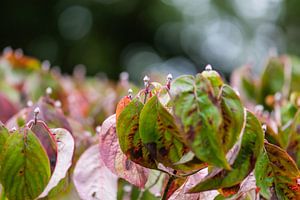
{"type": "Point", "coordinates": [169, 77]}
{"type": "Point", "coordinates": [130, 91]}
{"type": "Point", "coordinates": [127, 188]}
{"type": "Point", "coordinates": [278, 96]}
{"type": "Point", "coordinates": [57, 104]}
{"type": "Point", "coordinates": [49, 91]}
{"type": "Point", "coordinates": [146, 81]}
{"type": "Point", "coordinates": [36, 110]}
{"type": "Point", "coordinates": [208, 67]}
{"type": "Point", "coordinates": [264, 127]}
{"type": "Point", "coordinates": [98, 129]}
{"type": "Point", "coordinates": [29, 103]}
{"type": "Point", "coordinates": [13, 129]}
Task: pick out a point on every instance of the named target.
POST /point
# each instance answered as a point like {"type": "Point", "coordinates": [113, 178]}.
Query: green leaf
{"type": "Point", "coordinates": [181, 84]}
{"type": "Point", "coordinates": [129, 136]}
{"type": "Point", "coordinates": [25, 167]}
{"type": "Point", "coordinates": [3, 136]}
{"type": "Point", "coordinates": [233, 117]}
{"type": "Point", "coordinates": [272, 79]}
{"type": "Point", "coordinates": [198, 112]}
{"type": "Point", "coordinates": [214, 78]}
{"type": "Point", "coordinates": [276, 167]}
{"type": "Point", "coordinates": [159, 133]}
{"type": "Point", "coordinates": [251, 146]}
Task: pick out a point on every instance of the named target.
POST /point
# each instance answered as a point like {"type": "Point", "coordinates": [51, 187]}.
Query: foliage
{"type": "Point", "coordinates": [188, 138]}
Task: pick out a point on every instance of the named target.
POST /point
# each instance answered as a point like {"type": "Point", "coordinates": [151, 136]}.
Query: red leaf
{"type": "Point", "coordinates": [121, 105]}
{"type": "Point", "coordinates": [115, 160]}
{"type": "Point", "coordinates": [7, 108]}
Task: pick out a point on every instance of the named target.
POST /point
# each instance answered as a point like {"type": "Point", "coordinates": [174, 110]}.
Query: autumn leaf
{"type": "Point", "coordinates": [92, 179]}
{"type": "Point", "coordinates": [129, 136]}
{"type": "Point", "coordinates": [250, 148]}
{"type": "Point", "coordinates": [25, 167]}
{"type": "Point", "coordinates": [115, 160]}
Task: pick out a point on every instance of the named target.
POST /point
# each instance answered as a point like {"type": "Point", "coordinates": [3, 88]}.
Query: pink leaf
{"type": "Point", "coordinates": [115, 160]}
{"type": "Point", "coordinates": [92, 179]}
{"type": "Point", "coordinates": [181, 193]}
{"type": "Point", "coordinates": [8, 109]}
{"type": "Point", "coordinates": [66, 147]}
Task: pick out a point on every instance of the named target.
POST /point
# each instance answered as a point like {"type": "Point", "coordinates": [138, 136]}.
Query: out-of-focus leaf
{"type": "Point", "coordinates": [18, 120]}
{"type": "Point", "coordinates": [25, 167]}
{"type": "Point", "coordinates": [7, 108]}
{"type": "Point", "coordinates": [159, 133]}
{"type": "Point", "coordinates": [129, 137]}
{"type": "Point", "coordinates": [3, 136]}
{"type": "Point", "coordinates": [66, 147]}
{"type": "Point", "coordinates": [51, 115]}
{"type": "Point", "coordinates": [251, 146]}
{"type": "Point", "coordinates": [272, 79]}
{"type": "Point", "coordinates": [295, 84]}
{"type": "Point", "coordinates": [92, 179]}
{"type": "Point", "coordinates": [47, 139]}
{"type": "Point", "coordinates": [22, 62]}
{"type": "Point", "coordinates": [197, 111]}
{"type": "Point", "coordinates": [276, 167]}
{"type": "Point", "coordinates": [233, 117]}
{"type": "Point", "coordinates": [115, 160]}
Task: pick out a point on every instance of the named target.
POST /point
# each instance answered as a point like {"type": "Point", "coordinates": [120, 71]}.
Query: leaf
{"type": "Point", "coordinates": [129, 137]}
{"type": "Point", "coordinates": [25, 167]}
{"type": "Point", "coordinates": [160, 134]}
{"type": "Point", "coordinates": [115, 160]}
{"type": "Point", "coordinates": [200, 117]}
{"type": "Point", "coordinates": [8, 109]}
{"type": "Point", "coordinates": [64, 158]}
{"type": "Point", "coordinates": [51, 115]}
{"type": "Point", "coordinates": [214, 78]}
{"type": "Point", "coordinates": [272, 79]}
{"type": "Point", "coordinates": [247, 188]}
{"type": "Point", "coordinates": [92, 179]}
{"type": "Point", "coordinates": [47, 139]}
{"type": "Point", "coordinates": [181, 193]}
{"type": "Point", "coordinates": [121, 105]}
{"type": "Point", "coordinates": [182, 84]}
{"type": "Point", "coordinates": [3, 136]}
{"type": "Point", "coordinates": [276, 167]}
{"type": "Point", "coordinates": [233, 117]}
{"type": "Point", "coordinates": [251, 146]}
{"type": "Point", "coordinates": [174, 185]}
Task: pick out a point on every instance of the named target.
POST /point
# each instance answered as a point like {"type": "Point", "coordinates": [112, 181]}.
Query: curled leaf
{"type": "Point", "coordinates": [66, 147]}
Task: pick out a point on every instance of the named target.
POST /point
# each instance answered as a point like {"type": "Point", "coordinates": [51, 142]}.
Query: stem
{"type": "Point", "coordinates": [170, 181]}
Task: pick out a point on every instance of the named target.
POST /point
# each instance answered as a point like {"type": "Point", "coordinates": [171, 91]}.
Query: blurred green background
{"type": "Point", "coordinates": [140, 36]}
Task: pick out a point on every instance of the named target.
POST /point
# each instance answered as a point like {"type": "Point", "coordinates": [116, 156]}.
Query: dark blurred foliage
{"type": "Point", "coordinates": [98, 33]}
